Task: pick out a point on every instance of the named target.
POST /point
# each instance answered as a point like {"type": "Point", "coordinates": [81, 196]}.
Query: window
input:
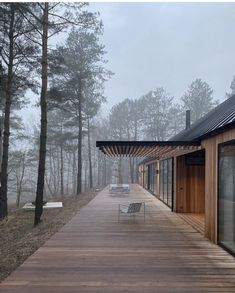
{"type": "Point", "coordinates": [226, 196]}
{"type": "Point", "coordinates": [169, 182]}
{"type": "Point", "coordinates": [161, 179]}
{"type": "Point", "coordinates": [166, 181]}
{"type": "Point", "coordinates": [152, 178]}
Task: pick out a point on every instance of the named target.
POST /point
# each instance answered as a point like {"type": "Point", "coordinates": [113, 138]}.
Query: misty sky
{"type": "Point", "coordinates": [166, 44]}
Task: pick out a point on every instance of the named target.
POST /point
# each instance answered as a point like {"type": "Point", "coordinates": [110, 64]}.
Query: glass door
{"type": "Point", "coordinates": [226, 196]}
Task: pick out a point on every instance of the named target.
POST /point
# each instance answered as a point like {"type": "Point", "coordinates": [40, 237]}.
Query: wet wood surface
{"type": "Point", "coordinates": [95, 253]}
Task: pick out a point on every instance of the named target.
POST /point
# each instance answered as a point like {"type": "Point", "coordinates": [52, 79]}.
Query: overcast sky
{"type": "Point", "coordinates": [151, 45]}
{"type": "Point", "coordinates": [167, 44]}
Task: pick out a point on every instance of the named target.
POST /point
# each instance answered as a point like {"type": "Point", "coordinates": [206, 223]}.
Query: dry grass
{"type": "Point", "coordinates": [19, 239]}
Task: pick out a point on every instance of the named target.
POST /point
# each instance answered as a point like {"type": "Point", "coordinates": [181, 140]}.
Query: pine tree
{"type": "Point", "coordinates": [198, 98]}
{"type": "Point", "coordinates": [79, 81]}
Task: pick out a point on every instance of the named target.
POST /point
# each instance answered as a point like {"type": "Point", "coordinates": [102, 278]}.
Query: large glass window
{"type": "Point", "coordinates": [166, 182]}
{"type": "Point", "coordinates": [226, 196]}
{"type": "Point", "coordinates": [169, 182]}
{"type": "Point", "coordinates": [161, 179]}
{"type": "Point", "coordinates": [152, 178]}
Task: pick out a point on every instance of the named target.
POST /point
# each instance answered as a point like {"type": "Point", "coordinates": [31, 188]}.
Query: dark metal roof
{"type": "Point", "coordinates": [221, 118]}
{"type": "Point", "coordinates": [217, 120]}
{"type": "Point", "coordinates": [154, 149]}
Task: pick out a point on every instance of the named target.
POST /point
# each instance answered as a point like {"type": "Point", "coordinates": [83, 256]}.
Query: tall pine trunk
{"type": "Point", "coordinates": [6, 133]}
{"type": "Point", "coordinates": [89, 155]}
{"type": "Point", "coordinates": [61, 170]}
{"type": "Point", "coordinates": [79, 174]}
{"type": "Point", "coordinates": [61, 161]}
{"type": "Point", "coordinates": [1, 142]}
{"type": "Point", "coordinates": [120, 181]}
{"type": "Point", "coordinates": [3, 101]}
{"type": "Point", "coordinates": [20, 181]}
{"type": "Point", "coordinates": [131, 162]}
{"type": "Point", "coordinates": [74, 172]}
{"type": "Point", "coordinates": [43, 131]}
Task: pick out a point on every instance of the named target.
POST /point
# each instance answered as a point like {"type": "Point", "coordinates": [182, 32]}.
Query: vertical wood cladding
{"type": "Point", "coordinates": [190, 187]}
{"type": "Point", "coordinates": [211, 176]}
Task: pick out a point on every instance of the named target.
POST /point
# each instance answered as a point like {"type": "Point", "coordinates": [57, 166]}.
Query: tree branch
{"type": "Point", "coordinates": [36, 42]}
{"type": "Point", "coordinates": [29, 21]}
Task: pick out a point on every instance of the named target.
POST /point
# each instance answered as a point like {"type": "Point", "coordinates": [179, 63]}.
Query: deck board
{"type": "Point", "coordinates": [197, 221]}
{"type": "Point", "coordinates": [95, 253]}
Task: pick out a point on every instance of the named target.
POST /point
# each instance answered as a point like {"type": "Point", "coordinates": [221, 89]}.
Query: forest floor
{"type": "Point", "coordinates": [19, 239]}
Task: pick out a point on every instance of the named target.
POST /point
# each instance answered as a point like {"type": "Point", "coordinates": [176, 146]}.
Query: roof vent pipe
{"type": "Point", "coordinates": [188, 119]}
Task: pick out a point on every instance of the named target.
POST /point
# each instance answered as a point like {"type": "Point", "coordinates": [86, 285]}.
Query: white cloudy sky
{"type": "Point", "coordinates": [167, 44]}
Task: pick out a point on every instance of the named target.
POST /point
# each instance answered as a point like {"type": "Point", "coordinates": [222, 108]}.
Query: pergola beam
{"type": "Point", "coordinates": [155, 149]}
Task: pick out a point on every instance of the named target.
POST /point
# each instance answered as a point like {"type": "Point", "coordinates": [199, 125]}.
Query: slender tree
{"type": "Point", "coordinates": [47, 20]}
{"type": "Point", "coordinates": [198, 99]}
{"type": "Point", "coordinates": [16, 54]}
{"type": "Point", "coordinates": [232, 89]}
{"type": "Point", "coordinates": [80, 77]}
{"type": "Point", "coordinates": [157, 114]}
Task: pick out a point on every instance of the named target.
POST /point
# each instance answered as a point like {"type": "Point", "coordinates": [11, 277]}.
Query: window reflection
{"type": "Point", "coordinates": [166, 181]}
{"type": "Point", "coordinates": [226, 204]}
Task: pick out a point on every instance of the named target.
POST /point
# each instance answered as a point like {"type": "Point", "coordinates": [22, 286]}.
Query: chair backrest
{"type": "Point", "coordinates": [134, 207]}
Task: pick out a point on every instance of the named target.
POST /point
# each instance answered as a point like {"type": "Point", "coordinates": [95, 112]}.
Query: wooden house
{"type": "Point", "coordinates": [193, 173]}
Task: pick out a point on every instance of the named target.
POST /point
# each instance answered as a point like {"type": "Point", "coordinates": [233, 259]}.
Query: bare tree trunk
{"type": "Point", "coordinates": [58, 166]}
{"type": "Point", "coordinates": [105, 172]}
{"type": "Point", "coordinates": [131, 162]}
{"type": "Point", "coordinates": [89, 155]}
{"type": "Point", "coordinates": [20, 182]}
{"type": "Point", "coordinates": [68, 173]}
{"type": "Point", "coordinates": [6, 134]}
{"type": "Point", "coordinates": [61, 164]}
{"type": "Point", "coordinates": [43, 133]}
{"type": "Point", "coordinates": [1, 142]}
{"type": "Point", "coordinates": [85, 171]}
{"type": "Point", "coordinates": [51, 173]}
{"type": "Point", "coordinates": [120, 171]}
{"type": "Point", "coordinates": [74, 173]}
{"type": "Point", "coordinates": [79, 174]}
{"type": "Point", "coordinates": [54, 173]}
{"type": "Point", "coordinates": [3, 101]}
{"type": "Point", "coordinates": [48, 185]}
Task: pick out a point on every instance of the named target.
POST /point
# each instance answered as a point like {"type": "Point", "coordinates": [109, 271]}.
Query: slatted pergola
{"type": "Point", "coordinates": [155, 149]}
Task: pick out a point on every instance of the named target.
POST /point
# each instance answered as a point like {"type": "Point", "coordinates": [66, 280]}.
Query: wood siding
{"type": "Point", "coordinates": [190, 187]}
{"type": "Point", "coordinates": [211, 176]}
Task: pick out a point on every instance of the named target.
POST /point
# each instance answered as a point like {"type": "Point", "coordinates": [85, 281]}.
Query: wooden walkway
{"type": "Point", "coordinates": [197, 221]}
{"type": "Point", "coordinates": [94, 253]}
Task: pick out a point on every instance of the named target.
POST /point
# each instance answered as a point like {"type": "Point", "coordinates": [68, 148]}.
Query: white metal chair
{"type": "Point", "coordinates": [132, 209]}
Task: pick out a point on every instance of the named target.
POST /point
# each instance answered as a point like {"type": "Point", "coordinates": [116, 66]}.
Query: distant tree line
{"type": "Point", "coordinates": [58, 157]}
{"type": "Point", "coordinates": [156, 116]}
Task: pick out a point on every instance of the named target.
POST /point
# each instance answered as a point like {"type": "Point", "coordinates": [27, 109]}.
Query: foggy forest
{"type": "Point", "coordinates": [58, 157]}
{"type": "Point", "coordinates": [117, 147]}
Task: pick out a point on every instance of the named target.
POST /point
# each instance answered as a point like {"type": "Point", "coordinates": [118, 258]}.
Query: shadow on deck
{"type": "Point", "coordinates": [95, 253]}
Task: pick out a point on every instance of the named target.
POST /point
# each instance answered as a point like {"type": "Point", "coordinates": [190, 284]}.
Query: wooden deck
{"type": "Point", "coordinates": [94, 253]}
{"type": "Point", "coordinates": [197, 221]}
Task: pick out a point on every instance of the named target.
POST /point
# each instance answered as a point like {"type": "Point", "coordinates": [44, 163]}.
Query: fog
{"type": "Point", "coordinates": [169, 45]}
{"type": "Point", "coordinates": [163, 44]}
{"type": "Point", "coordinates": [159, 47]}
